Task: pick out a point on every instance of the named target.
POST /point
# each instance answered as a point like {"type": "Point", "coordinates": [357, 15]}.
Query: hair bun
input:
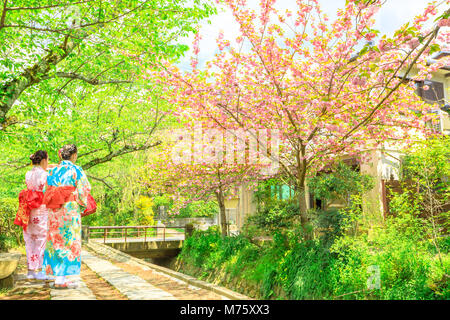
{"type": "Point", "coordinates": [68, 150]}
{"type": "Point", "coordinates": [38, 156]}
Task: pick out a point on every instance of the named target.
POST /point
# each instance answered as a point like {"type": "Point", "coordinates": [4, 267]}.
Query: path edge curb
{"type": "Point", "coordinates": [180, 276]}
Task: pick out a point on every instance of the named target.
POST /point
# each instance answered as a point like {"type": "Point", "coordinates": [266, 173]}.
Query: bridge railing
{"type": "Point", "coordinates": [126, 232]}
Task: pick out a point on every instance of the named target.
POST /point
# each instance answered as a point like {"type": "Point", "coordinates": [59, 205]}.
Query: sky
{"type": "Point", "coordinates": [390, 17]}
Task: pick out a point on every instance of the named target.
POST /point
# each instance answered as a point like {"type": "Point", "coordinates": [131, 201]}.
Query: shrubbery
{"type": "Point", "coordinates": [339, 184]}
{"type": "Point", "coordinates": [10, 234]}
{"type": "Point", "coordinates": [278, 215]}
{"type": "Point", "coordinates": [403, 252]}
{"type": "Point", "coordinates": [144, 206]}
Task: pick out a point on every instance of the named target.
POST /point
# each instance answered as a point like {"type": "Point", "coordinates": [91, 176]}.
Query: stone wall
{"type": "Point", "coordinates": [199, 223]}
{"type": "Point", "coordinates": [223, 278]}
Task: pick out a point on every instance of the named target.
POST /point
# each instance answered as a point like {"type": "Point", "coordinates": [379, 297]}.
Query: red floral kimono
{"type": "Point", "coordinates": [66, 197]}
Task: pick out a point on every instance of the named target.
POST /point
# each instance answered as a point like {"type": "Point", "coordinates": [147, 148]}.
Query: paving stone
{"type": "Point", "coordinates": [134, 287]}
{"type": "Point", "coordinates": [82, 292]}
{"type": "Point", "coordinates": [37, 285]}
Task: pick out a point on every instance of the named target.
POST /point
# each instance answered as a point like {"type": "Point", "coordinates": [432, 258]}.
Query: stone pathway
{"type": "Point", "coordinates": [25, 286]}
{"type": "Point", "coordinates": [108, 274]}
{"type": "Point", "coordinates": [182, 286]}
{"type": "Point", "coordinates": [132, 286]}
{"type": "Point", "coordinates": [80, 293]}
{"type": "Point", "coordinates": [91, 287]}
{"type": "Point", "coordinates": [99, 286]}
{"type": "Point", "coordinates": [179, 289]}
{"type": "Point", "coordinates": [27, 290]}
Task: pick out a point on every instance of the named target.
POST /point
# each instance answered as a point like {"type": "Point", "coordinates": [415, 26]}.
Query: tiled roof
{"type": "Point", "coordinates": [438, 56]}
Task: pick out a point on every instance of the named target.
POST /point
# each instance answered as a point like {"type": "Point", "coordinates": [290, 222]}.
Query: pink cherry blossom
{"type": "Point", "coordinates": [326, 99]}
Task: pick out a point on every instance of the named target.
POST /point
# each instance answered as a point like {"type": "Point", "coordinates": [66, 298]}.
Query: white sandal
{"type": "Point", "coordinates": [31, 277]}
{"type": "Point", "coordinates": [43, 277]}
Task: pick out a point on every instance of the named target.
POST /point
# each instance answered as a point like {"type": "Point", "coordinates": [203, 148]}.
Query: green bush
{"type": "Point", "coordinates": [329, 224]}
{"type": "Point", "coordinates": [208, 249]}
{"type": "Point", "coordinates": [198, 248]}
{"type": "Point", "coordinates": [400, 248]}
{"type": "Point", "coordinates": [339, 184]}
{"type": "Point", "coordinates": [10, 234]}
{"type": "Point", "coordinates": [307, 271]}
{"type": "Point", "coordinates": [409, 268]}
{"type": "Point", "coordinates": [277, 215]}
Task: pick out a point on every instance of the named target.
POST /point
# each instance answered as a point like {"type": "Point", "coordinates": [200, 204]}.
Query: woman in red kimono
{"type": "Point", "coordinates": [33, 215]}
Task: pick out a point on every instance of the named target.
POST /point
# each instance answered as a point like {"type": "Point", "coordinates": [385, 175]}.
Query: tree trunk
{"type": "Point", "coordinates": [302, 204]}
{"type": "Point", "coordinates": [223, 216]}
{"type": "Point", "coordinates": [301, 195]}
{"type": "Point", "coordinates": [300, 183]}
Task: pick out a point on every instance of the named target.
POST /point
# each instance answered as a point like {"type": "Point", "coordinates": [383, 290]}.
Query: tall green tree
{"type": "Point", "coordinates": [91, 41]}
{"type": "Point", "coordinates": [70, 72]}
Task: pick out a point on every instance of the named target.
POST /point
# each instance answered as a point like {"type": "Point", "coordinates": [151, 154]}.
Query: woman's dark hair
{"type": "Point", "coordinates": [38, 156]}
{"type": "Point", "coordinates": [68, 150]}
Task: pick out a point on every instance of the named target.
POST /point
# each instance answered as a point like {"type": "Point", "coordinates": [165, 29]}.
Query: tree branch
{"type": "Point", "coordinates": [124, 150]}
{"type": "Point", "coordinates": [2, 18]}
{"type": "Point", "coordinates": [11, 90]}
{"type": "Point", "coordinates": [101, 180]}
{"type": "Point", "coordinates": [369, 116]}
{"type": "Point", "coordinates": [49, 6]}
{"type": "Point", "coordinates": [94, 81]}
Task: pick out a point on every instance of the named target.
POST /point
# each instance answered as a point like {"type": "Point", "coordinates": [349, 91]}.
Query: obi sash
{"type": "Point", "coordinates": [28, 200]}
{"type": "Point", "coordinates": [56, 197]}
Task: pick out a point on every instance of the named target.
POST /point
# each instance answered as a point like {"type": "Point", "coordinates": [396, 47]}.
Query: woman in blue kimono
{"type": "Point", "coordinates": [66, 198]}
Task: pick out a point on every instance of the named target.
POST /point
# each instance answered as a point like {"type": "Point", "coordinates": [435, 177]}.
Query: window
{"type": "Point", "coordinates": [314, 203]}
{"type": "Point", "coordinates": [435, 92]}
{"type": "Point", "coordinates": [231, 215]}
{"type": "Point", "coordinates": [281, 192]}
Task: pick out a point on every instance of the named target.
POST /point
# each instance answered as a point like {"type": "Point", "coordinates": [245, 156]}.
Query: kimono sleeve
{"type": "Point", "coordinates": [83, 189]}
{"type": "Point", "coordinates": [42, 183]}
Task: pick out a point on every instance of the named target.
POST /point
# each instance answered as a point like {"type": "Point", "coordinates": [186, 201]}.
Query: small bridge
{"type": "Point", "coordinates": [140, 241]}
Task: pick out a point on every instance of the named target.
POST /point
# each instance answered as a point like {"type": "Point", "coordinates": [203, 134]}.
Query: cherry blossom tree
{"type": "Point", "coordinates": [190, 168]}
{"type": "Point", "coordinates": [326, 86]}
